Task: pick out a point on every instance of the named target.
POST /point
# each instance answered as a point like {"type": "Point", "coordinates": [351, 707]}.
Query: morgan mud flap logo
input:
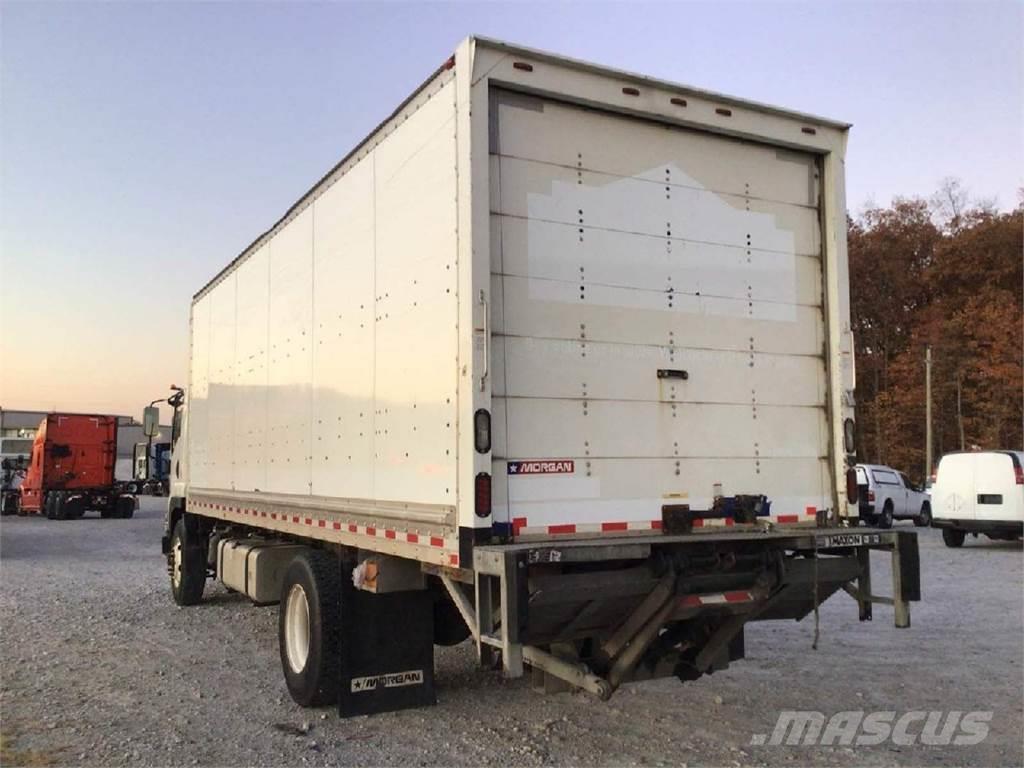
{"type": "Point", "coordinates": [389, 680]}
{"type": "Point", "coordinates": [542, 467]}
{"type": "Point", "coordinates": [860, 728]}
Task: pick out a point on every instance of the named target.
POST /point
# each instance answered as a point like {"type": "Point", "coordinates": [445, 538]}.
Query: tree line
{"type": "Point", "coordinates": [945, 272]}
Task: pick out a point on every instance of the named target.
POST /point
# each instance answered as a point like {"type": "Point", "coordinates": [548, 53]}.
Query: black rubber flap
{"type": "Point", "coordinates": [387, 651]}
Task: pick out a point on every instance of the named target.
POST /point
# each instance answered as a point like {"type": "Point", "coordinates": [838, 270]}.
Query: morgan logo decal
{"type": "Point", "coordinates": [542, 467]}
{"type": "Point", "coordinates": [390, 680]}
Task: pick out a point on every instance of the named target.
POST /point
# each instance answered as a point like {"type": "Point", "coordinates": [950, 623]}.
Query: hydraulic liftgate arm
{"type": "Point", "coordinates": [499, 620]}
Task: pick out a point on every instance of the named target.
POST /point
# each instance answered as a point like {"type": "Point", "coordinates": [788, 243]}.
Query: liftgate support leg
{"type": "Point", "coordinates": [513, 605]}
{"type": "Point", "coordinates": [864, 583]}
{"type": "Point", "coordinates": [901, 605]}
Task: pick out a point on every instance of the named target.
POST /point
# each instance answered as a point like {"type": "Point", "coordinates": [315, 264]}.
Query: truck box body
{"type": "Point", "coordinates": [643, 285]}
{"type": "Point", "coordinates": [71, 452]}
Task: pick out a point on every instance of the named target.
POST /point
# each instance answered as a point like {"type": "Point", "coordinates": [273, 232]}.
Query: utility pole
{"type": "Point", "coordinates": [959, 410]}
{"type": "Point", "coordinates": [928, 412]}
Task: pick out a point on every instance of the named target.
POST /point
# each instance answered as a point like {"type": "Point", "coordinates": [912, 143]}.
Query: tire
{"type": "Point", "coordinates": [50, 505]}
{"type": "Point", "coordinates": [124, 507]}
{"type": "Point", "coordinates": [73, 508]}
{"type": "Point", "coordinates": [449, 626]}
{"type": "Point", "coordinates": [885, 519]}
{"type": "Point", "coordinates": [57, 509]}
{"type": "Point", "coordinates": [924, 519]}
{"type": "Point", "coordinates": [309, 628]}
{"type": "Point", "coordinates": [11, 503]}
{"type": "Point", "coordinates": [188, 562]}
{"type": "Point", "coordinates": [953, 537]}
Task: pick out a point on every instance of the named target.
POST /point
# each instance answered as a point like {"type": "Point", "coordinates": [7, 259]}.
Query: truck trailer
{"type": "Point", "coordinates": [71, 469]}
{"type": "Point", "coordinates": [557, 359]}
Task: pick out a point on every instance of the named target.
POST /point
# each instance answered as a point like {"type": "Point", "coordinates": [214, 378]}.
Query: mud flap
{"type": "Point", "coordinates": [387, 651]}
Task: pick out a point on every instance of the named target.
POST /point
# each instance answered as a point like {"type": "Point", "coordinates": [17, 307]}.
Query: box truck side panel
{"type": "Point", "coordinates": [198, 453]}
{"type": "Point", "coordinates": [324, 371]}
{"type": "Point", "coordinates": [252, 287]}
{"type": "Point", "coordinates": [222, 462]}
{"type": "Point", "coordinates": [661, 326]}
{"type": "Point", "coordinates": [416, 360]}
{"type": "Point", "coordinates": [343, 355]}
{"type": "Point", "coordinates": [290, 354]}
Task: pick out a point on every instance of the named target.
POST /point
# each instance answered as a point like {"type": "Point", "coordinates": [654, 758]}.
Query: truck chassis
{"type": "Point", "coordinates": [579, 613]}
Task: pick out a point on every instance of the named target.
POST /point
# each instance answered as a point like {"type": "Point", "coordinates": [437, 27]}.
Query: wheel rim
{"type": "Point", "coordinates": [178, 559]}
{"type": "Point", "coordinates": [296, 628]}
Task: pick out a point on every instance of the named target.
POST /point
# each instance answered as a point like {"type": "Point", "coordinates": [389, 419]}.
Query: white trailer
{"type": "Point", "coordinates": [560, 352]}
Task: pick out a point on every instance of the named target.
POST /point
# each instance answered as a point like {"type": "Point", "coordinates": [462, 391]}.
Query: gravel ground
{"type": "Point", "coordinates": [99, 667]}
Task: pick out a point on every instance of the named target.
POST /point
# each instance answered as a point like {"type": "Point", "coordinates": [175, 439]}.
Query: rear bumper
{"type": "Point", "coordinates": [988, 527]}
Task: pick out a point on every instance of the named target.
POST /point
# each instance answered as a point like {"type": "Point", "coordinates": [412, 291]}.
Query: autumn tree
{"type": "Point", "coordinates": [949, 275]}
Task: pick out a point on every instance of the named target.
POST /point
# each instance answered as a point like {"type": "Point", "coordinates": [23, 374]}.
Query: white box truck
{"type": "Point", "coordinates": [558, 358]}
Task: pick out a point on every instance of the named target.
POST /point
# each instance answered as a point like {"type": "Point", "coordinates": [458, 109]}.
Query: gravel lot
{"type": "Point", "coordinates": [100, 667]}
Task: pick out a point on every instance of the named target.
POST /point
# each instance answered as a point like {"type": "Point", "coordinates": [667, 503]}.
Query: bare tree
{"type": "Point", "coordinates": [949, 203]}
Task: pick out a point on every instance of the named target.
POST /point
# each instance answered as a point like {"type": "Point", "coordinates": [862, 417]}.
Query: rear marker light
{"type": "Point", "coordinates": [849, 435]}
{"type": "Point", "coordinates": [808, 131]}
{"type": "Point", "coordinates": [851, 485]}
{"type": "Point", "coordinates": [724, 112]}
{"type": "Point", "coordinates": [631, 91]}
{"type": "Point", "coordinates": [1019, 472]}
{"type": "Point", "coordinates": [678, 102]}
{"type": "Point", "coordinates": [523, 66]}
{"type": "Point", "coordinates": [483, 495]}
{"type": "Point", "coordinates": [450, 64]}
{"type": "Point", "coordinates": [482, 431]}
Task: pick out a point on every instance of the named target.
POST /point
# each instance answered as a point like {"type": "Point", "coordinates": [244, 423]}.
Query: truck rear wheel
{"type": "Point", "coordinates": [449, 626]}
{"type": "Point", "coordinates": [73, 508]}
{"type": "Point", "coordinates": [188, 562]}
{"type": "Point", "coordinates": [124, 506]}
{"type": "Point", "coordinates": [953, 537]}
{"type": "Point", "coordinates": [11, 503]}
{"type": "Point", "coordinates": [309, 628]}
{"type": "Point", "coordinates": [56, 506]}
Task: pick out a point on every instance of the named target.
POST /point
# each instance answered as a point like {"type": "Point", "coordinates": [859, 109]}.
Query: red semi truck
{"type": "Point", "coordinates": [71, 469]}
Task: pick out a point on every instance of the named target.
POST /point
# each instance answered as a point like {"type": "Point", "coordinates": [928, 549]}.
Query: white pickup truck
{"type": "Point", "coordinates": [886, 495]}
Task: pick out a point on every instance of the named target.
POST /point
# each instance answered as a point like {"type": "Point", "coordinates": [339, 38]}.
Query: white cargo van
{"type": "Point", "coordinates": [558, 358]}
{"type": "Point", "coordinates": [979, 492]}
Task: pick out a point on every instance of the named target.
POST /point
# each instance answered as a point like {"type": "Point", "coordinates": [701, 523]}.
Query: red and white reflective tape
{"type": "Point", "coordinates": [520, 527]}
{"type": "Point", "coordinates": [276, 519]}
{"type": "Point", "coordinates": [716, 598]}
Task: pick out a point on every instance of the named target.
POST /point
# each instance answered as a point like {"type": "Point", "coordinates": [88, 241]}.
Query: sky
{"type": "Point", "coordinates": [144, 145]}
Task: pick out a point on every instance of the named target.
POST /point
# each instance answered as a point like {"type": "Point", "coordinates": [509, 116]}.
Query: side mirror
{"type": "Point", "coordinates": [150, 421]}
